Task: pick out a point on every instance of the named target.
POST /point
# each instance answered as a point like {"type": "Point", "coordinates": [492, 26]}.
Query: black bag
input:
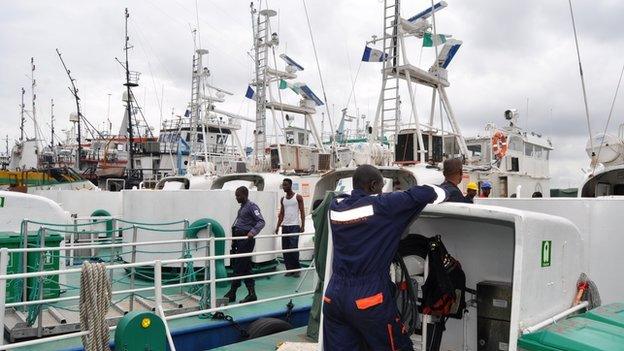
{"type": "Point", "coordinates": [444, 290]}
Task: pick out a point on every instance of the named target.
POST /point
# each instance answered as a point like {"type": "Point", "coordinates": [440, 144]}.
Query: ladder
{"type": "Point", "coordinates": [389, 108]}
{"type": "Point", "coordinates": [261, 36]}
{"type": "Point", "coordinates": [195, 96]}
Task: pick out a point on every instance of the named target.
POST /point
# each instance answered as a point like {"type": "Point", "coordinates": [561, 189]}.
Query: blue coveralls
{"type": "Point", "coordinates": [248, 220]}
{"type": "Point", "coordinates": [455, 195]}
{"type": "Point", "coordinates": [360, 312]}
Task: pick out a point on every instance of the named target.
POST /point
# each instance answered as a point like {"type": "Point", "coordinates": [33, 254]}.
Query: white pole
{"type": "Point", "coordinates": [4, 262]}
{"type": "Point", "coordinates": [158, 284]}
{"type": "Point", "coordinates": [213, 274]}
{"type": "Point", "coordinates": [328, 272]}
{"type": "Point", "coordinates": [555, 318]}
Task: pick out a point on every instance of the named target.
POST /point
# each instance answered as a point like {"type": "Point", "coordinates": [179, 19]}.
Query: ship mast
{"type": "Point", "coordinates": [260, 26]}
{"type": "Point", "coordinates": [129, 84]}
{"type": "Point", "coordinates": [22, 119]}
{"type": "Point", "coordinates": [74, 92]}
{"type": "Point", "coordinates": [52, 124]}
{"type": "Point", "coordinates": [34, 98]}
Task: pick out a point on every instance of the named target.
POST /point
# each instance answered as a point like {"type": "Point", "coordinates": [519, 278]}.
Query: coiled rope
{"type": "Point", "coordinates": [95, 299]}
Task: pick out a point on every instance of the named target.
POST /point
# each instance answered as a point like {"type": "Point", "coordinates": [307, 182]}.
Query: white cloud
{"type": "Point", "coordinates": [512, 51]}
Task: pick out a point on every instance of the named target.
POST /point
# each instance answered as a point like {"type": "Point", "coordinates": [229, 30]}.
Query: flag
{"type": "Point", "coordinates": [250, 93]}
{"type": "Point", "coordinates": [187, 113]}
{"type": "Point", "coordinates": [373, 55]}
{"type": "Point", "coordinates": [429, 40]}
{"type": "Point", "coordinates": [283, 84]}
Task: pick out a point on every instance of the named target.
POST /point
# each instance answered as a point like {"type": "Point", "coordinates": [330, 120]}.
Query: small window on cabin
{"type": "Point", "coordinates": [538, 152]}
{"type": "Point", "coordinates": [515, 143]}
{"type": "Point", "coordinates": [476, 150]}
{"type": "Point", "coordinates": [528, 149]}
{"type": "Point", "coordinates": [188, 137]}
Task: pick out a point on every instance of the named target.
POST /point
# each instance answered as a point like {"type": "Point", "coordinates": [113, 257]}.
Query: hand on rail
{"type": "Point", "coordinates": [250, 235]}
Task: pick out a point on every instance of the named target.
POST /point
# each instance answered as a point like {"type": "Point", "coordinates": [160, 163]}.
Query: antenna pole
{"type": "Point", "coordinates": [34, 98]}
{"type": "Point", "coordinates": [74, 92]}
{"type": "Point", "coordinates": [22, 119]}
{"type": "Point", "coordinates": [128, 84]}
{"type": "Point", "coordinates": [52, 124]}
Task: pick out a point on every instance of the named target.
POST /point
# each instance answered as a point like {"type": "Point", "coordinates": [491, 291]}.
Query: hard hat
{"type": "Point", "coordinates": [486, 185]}
{"type": "Point", "coordinates": [472, 186]}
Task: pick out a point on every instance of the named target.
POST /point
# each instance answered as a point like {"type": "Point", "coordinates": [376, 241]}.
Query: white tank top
{"type": "Point", "coordinates": [291, 210]}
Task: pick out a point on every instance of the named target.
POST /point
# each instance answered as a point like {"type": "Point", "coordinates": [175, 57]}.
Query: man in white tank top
{"type": "Point", "coordinates": [292, 220]}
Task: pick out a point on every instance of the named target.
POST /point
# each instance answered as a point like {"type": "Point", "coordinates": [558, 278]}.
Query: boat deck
{"type": "Point", "coordinates": [187, 331]}
{"type": "Point", "coordinates": [269, 342]}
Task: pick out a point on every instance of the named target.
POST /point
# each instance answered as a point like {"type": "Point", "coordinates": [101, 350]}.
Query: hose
{"type": "Point", "coordinates": [406, 296]}
{"type": "Point", "coordinates": [95, 299]}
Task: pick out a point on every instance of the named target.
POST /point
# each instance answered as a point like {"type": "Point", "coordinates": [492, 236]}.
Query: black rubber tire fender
{"type": "Point", "coordinates": [267, 326]}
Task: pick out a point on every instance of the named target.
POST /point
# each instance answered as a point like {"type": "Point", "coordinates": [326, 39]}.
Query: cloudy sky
{"type": "Point", "coordinates": [513, 52]}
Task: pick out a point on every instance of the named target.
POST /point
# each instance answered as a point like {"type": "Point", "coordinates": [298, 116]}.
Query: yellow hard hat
{"type": "Point", "coordinates": [472, 186]}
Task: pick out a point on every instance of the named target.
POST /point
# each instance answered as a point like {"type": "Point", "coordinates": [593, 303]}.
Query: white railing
{"type": "Point", "coordinates": [158, 287]}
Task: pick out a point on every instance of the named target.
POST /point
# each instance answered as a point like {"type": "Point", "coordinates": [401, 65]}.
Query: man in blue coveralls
{"type": "Point", "coordinates": [359, 309]}
{"type": "Point", "coordinates": [248, 223]}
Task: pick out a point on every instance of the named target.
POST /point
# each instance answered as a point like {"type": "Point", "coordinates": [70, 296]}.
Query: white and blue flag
{"type": "Point", "coordinates": [373, 55]}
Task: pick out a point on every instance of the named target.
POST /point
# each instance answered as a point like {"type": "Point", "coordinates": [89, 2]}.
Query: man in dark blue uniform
{"type": "Point", "coordinates": [248, 223]}
{"type": "Point", "coordinates": [453, 172]}
{"type": "Point", "coordinates": [359, 308]}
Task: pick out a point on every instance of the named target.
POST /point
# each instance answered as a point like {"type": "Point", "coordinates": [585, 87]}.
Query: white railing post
{"type": "Point", "coordinates": [158, 301]}
{"type": "Point", "coordinates": [158, 283]}
{"type": "Point", "coordinates": [25, 259]}
{"type": "Point", "coordinates": [213, 273]}
{"type": "Point", "coordinates": [184, 246]}
{"type": "Point", "coordinates": [133, 269]}
{"type": "Point", "coordinates": [41, 281]}
{"type": "Point", "coordinates": [4, 262]}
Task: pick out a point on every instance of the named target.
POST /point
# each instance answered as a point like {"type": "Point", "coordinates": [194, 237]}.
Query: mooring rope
{"type": "Point", "coordinates": [95, 299]}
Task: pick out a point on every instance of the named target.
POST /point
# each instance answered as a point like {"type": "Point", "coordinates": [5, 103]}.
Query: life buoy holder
{"type": "Point", "coordinates": [499, 145]}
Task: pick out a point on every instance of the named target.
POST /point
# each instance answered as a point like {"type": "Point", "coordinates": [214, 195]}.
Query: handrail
{"type": "Point", "coordinates": [211, 257]}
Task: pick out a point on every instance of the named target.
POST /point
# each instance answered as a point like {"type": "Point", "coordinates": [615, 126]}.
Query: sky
{"type": "Point", "coordinates": [515, 54]}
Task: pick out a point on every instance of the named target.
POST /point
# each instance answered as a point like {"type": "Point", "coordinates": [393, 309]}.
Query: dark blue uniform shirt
{"type": "Point", "coordinates": [455, 195]}
{"type": "Point", "coordinates": [366, 229]}
{"type": "Point", "coordinates": [249, 218]}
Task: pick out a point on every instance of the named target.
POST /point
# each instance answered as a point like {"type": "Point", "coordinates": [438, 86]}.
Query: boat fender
{"type": "Point", "coordinates": [218, 232]}
{"type": "Point", "coordinates": [267, 326]}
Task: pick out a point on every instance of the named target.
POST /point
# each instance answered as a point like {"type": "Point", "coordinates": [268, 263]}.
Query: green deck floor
{"type": "Point", "coordinates": [268, 343]}
{"type": "Point", "coordinates": [273, 286]}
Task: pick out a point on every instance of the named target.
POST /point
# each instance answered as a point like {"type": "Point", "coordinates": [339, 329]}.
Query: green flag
{"type": "Point", "coordinates": [283, 84]}
{"type": "Point", "coordinates": [429, 40]}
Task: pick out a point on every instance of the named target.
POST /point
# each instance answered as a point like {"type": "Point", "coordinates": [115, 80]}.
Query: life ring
{"type": "Point", "coordinates": [499, 145]}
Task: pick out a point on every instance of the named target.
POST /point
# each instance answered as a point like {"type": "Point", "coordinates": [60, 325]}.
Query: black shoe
{"type": "Point", "coordinates": [251, 296]}
{"type": "Point", "coordinates": [288, 274]}
{"type": "Point", "coordinates": [231, 295]}
{"type": "Point", "coordinates": [295, 274]}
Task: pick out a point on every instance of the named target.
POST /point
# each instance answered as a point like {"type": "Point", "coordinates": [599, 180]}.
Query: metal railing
{"type": "Point", "coordinates": [209, 281]}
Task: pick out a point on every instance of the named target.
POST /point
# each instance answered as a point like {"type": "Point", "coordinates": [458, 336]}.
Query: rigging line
{"type": "Point", "coordinates": [617, 89]}
{"type": "Point", "coordinates": [578, 55]}
{"type": "Point", "coordinates": [149, 65]}
{"type": "Point", "coordinates": [138, 106]}
{"type": "Point", "coordinates": [318, 67]}
{"type": "Point", "coordinates": [352, 93]}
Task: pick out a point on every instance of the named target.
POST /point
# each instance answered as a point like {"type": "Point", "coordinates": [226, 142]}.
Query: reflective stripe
{"type": "Point", "coordinates": [441, 193]}
{"type": "Point", "coordinates": [353, 214]}
{"type": "Point", "coordinates": [368, 302]}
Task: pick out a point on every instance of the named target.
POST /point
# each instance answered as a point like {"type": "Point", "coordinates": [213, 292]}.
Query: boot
{"type": "Point", "coordinates": [251, 295]}
{"type": "Point", "coordinates": [231, 294]}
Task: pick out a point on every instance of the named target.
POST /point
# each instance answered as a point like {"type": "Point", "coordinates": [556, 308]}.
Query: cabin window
{"type": "Point", "coordinates": [538, 152]}
{"type": "Point", "coordinates": [515, 143]}
{"type": "Point", "coordinates": [476, 150]}
{"type": "Point", "coordinates": [528, 149]}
